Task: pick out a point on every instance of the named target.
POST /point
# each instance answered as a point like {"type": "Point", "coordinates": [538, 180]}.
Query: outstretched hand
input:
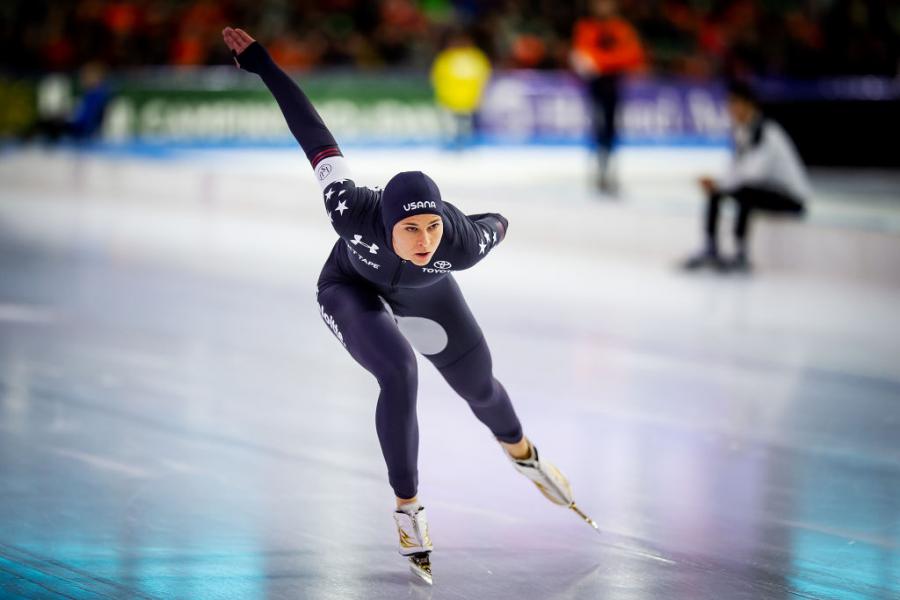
{"type": "Point", "coordinates": [237, 40]}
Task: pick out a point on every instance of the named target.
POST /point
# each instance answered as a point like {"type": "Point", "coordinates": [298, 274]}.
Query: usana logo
{"type": "Point", "coordinates": [422, 204]}
{"type": "Point", "coordinates": [324, 171]}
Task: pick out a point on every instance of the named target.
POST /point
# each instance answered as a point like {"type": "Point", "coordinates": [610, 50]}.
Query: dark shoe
{"type": "Point", "coordinates": [703, 260]}
{"type": "Point", "coordinates": [608, 184]}
{"type": "Point", "coordinates": [737, 264]}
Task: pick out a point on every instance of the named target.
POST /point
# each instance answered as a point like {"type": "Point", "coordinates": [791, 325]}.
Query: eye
{"type": "Point", "coordinates": [412, 229]}
{"type": "Point", "coordinates": [434, 226]}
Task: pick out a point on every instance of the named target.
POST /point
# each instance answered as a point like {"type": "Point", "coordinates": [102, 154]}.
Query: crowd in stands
{"type": "Point", "coordinates": [793, 38]}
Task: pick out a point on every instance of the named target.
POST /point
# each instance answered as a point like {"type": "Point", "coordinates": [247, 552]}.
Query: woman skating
{"type": "Point", "coordinates": [387, 286]}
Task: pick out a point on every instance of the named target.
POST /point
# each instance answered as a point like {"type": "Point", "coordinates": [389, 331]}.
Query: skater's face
{"type": "Point", "coordinates": [416, 238]}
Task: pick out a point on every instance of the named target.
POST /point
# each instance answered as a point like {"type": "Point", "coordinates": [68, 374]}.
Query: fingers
{"type": "Point", "coordinates": [236, 39]}
{"type": "Point", "coordinates": [228, 36]}
{"type": "Point", "coordinates": [245, 36]}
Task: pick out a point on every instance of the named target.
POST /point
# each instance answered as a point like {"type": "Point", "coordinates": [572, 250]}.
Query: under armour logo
{"type": "Point", "coordinates": [357, 239]}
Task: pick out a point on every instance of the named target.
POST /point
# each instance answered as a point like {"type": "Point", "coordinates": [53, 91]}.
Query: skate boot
{"type": "Point", "coordinates": [545, 476]}
{"type": "Point", "coordinates": [415, 543]}
{"type": "Point", "coordinates": [550, 481]}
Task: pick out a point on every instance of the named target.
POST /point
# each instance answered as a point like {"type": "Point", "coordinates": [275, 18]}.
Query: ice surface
{"type": "Point", "coordinates": [176, 422]}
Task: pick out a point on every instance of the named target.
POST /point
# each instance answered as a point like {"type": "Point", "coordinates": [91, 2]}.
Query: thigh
{"type": "Point", "coordinates": [437, 320]}
{"type": "Point", "coordinates": [767, 200]}
{"type": "Point", "coordinates": [359, 320]}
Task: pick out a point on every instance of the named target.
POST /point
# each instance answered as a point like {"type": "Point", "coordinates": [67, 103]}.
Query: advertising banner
{"type": "Point", "coordinates": [541, 107]}
{"type": "Point", "coordinates": [518, 107]}
{"type": "Point", "coordinates": [358, 109]}
{"type": "Point", "coordinates": [222, 106]}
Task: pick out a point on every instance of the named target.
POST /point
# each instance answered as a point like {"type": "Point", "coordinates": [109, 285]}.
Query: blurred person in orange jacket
{"type": "Point", "coordinates": [605, 47]}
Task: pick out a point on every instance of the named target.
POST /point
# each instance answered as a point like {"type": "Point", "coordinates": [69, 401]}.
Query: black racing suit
{"type": "Point", "coordinates": [377, 304]}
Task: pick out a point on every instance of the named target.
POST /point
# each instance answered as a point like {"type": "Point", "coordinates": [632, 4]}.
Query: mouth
{"type": "Point", "coordinates": [422, 254]}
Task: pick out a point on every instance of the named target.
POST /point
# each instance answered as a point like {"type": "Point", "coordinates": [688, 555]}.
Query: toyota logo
{"type": "Point", "coordinates": [442, 264]}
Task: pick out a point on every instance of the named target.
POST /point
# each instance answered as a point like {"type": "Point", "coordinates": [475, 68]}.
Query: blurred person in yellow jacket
{"type": "Point", "coordinates": [459, 75]}
{"type": "Point", "coordinates": [604, 48]}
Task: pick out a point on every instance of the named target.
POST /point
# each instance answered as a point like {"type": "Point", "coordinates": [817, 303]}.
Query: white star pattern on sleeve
{"type": "Point", "coordinates": [329, 194]}
{"type": "Point", "coordinates": [482, 246]}
{"type": "Point", "coordinates": [341, 207]}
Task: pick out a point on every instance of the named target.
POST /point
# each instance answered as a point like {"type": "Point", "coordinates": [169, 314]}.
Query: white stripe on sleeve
{"type": "Point", "coordinates": [331, 169]}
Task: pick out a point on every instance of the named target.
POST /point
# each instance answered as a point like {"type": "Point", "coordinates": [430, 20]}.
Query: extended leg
{"type": "Point", "coordinates": [471, 377]}
{"type": "Point", "coordinates": [461, 355]}
{"type": "Point", "coordinates": [455, 345]}
{"type": "Point", "coordinates": [359, 320]}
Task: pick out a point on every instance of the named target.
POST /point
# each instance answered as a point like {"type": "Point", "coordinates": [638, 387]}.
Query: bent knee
{"type": "Point", "coordinates": [402, 373]}
{"type": "Point", "coordinates": [483, 395]}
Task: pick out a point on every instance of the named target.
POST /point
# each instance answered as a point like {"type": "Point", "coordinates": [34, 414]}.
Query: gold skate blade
{"type": "Point", "coordinates": [586, 518]}
{"type": "Point", "coordinates": [421, 567]}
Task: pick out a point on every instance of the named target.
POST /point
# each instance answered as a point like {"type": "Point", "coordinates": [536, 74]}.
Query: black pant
{"type": "Point", "coordinates": [748, 199]}
{"type": "Point", "coordinates": [604, 93]}
{"type": "Point", "coordinates": [379, 328]}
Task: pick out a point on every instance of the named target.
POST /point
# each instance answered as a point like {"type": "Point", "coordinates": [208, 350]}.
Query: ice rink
{"type": "Point", "coordinates": [177, 422]}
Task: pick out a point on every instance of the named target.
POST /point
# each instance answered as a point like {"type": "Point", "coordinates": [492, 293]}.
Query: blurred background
{"type": "Point", "coordinates": [818, 65]}
{"type": "Point", "coordinates": [176, 422]}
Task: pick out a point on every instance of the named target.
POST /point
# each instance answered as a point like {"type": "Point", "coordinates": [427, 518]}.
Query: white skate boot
{"type": "Point", "coordinates": [550, 481]}
{"type": "Point", "coordinates": [545, 476]}
{"type": "Point", "coordinates": [415, 543]}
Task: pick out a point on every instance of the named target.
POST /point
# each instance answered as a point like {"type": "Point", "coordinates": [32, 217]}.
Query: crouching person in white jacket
{"type": "Point", "coordinates": [765, 174]}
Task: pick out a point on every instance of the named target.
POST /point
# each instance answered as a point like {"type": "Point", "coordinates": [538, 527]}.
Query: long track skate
{"type": "Point", "coordinates": [420, 565]}
{"type": "Point", "coordinates": [586, 518]}
{"type": "Point", "coordinates": [415, 543]}
{"type": "Point", "coordinates": [550, 481]}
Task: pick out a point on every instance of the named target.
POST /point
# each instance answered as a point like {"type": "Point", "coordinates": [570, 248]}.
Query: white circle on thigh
{"type": "Point", "coordinates": [425, 335]}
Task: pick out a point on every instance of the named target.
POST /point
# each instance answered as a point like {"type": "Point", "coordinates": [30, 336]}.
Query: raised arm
{"type": "Point", "coordinates": [302, 119]}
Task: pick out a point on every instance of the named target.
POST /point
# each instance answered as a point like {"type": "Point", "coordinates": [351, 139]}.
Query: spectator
{"type": "Point", "coordinates": [85, 120]}
{"type": "Point", "coordinates": [766, 174]}
{"type": "Point", "coordinates": [605, 47]}
{"type": "Point", "coordinates": [682, 37]}
{"type": "Point", "coordinates": [459, 75]}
